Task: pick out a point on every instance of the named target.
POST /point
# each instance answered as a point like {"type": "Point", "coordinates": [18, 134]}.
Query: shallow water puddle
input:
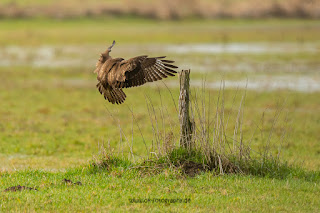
{"type": "Point", "coordinates": [293, 74]}
{"type": "Point", "coordinates": [219, 48]}
{"type": "Point", "coordinates": [61, 56]}
{"type": "Point", "coordinates": [259, 83]}
{"type": "Point", "coordinates": [301, 84]}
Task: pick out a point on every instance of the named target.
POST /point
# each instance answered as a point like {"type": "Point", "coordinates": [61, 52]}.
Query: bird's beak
{"type": "Point", "coordinates": [113, 43]}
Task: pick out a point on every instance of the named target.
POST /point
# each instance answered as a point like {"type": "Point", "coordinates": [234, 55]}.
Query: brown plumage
{"type": "Point", "coordinates": [114, 74]}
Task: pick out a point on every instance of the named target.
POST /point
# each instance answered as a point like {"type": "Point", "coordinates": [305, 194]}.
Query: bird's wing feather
{"type": "Point", "coordinates": [113, 95]}
{"type": "Point", "coordinates": [139, 70]}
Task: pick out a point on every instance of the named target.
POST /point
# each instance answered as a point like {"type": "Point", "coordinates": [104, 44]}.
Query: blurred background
{"type": "Point", "coordinates": [51, 115]}
{"type": "Point", "coordinates": [162, 9]}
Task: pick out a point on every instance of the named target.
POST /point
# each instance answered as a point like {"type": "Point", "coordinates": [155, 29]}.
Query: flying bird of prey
{"type": "Point", "coordinates": [114, 74]}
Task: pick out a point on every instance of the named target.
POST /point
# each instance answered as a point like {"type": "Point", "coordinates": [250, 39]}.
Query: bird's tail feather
{"type": "Point", "coordinates": [113, 95]}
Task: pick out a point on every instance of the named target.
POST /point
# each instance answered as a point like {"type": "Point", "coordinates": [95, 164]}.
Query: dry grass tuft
{"type": "Point", "coordinates": [221, 141]}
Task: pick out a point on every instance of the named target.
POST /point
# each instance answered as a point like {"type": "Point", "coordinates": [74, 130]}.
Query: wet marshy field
{"type": "Point", "coordinates": [53, 120]}
{"type": "Point", "coordinates": [48, 85]}
{"type": "Point", "coordinates": [257, 66]}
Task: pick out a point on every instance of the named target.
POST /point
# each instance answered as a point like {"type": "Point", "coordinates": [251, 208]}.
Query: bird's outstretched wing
{"type": "Point", "coordinates": [139, 70]}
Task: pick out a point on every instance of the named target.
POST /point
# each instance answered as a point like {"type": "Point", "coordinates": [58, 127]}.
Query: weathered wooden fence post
{"type": "Point", "coordinates": [186, 126]}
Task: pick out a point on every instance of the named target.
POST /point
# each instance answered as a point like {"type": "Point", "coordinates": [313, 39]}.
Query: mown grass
{"type": "Point", "coordinates": [112, 190]}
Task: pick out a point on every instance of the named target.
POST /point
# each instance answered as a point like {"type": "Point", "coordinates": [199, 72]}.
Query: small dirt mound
{"type": "Point", "coordinates": [191, 168]}
{"type": "Point", "coordinates": [19, 188]}
{"type": "Point", "coordinates": [69, 182]}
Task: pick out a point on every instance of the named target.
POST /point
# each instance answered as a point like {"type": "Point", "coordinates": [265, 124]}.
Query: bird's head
{"type": "Point", "coordinates": [106, 53]}
{"type": "Point", "coordinates": [103, 57]}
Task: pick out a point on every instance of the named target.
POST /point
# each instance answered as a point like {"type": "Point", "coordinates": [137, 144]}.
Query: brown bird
{"type": "Point", "coordinates": [114, 74]}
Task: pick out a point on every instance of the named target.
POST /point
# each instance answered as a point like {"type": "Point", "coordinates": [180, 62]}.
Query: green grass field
{"type": "Point", "coordinates": [100, 30]}
{"type": "Point", "coordinates": [53, 119]}
{"type": "Point", "coordinates": [112, 191]}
